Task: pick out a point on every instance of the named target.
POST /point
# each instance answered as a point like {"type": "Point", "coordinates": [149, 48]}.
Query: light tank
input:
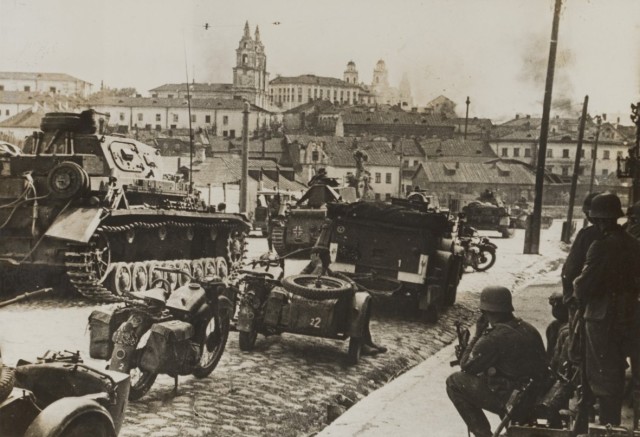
{"type": "Point", "coordinates": [99, 210]}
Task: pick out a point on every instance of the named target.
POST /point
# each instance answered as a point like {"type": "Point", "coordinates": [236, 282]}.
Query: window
{"type": "Point", "coordinates": [140, 116]}
{"type": "Point", "coordinates": [225, 120]}
{"type": "Point", "coordinates": [377, 196]}
{"type": "Point", "coordinates": [550, 153]}
{"type": "Point", "coordinates": [348, 95]}
{"type": "Point", "coordinates": [158, 127]}
{"type": "Point", "coordinates": [565, 153]}
{"type": "Point", "coordinates": [158, 117]}
{"type": "Point", "coordinates": [147, 127]}
{"type": "Point", "coordinates": [549, 168]}
{"type": "Point", "coordinates": [605, 172]}
{"type": "Point", "coordinates": [225, 133]}
{"type": "Point", "coordinates": [52, 89]}
{"type": "Point", "coordinates": [170, 96]}
{"type": "Point", "coordinates": [593, 153]}
{"type": "Point", "coordinates": [122, 116]}
{"type": "Point", "coordinates": [527, 153]}
{"type": "Point", "coordinates": [245, 59]}
{"type": "Point", "coordinates": [1, 87]}
{"type": "Point", "coordinates": [378, 178]}
{"type": "Point", "coordinates": [232, 133]}
{"type": "Point", "coordinates": [27, 88]}
{"type": "Point", "coordinates": [581, 170]}
{"type": "Point", "coordinates": [505, 151]}
{"type": "Point", "coordinates": [7, 112]}
{"type": "Point", "coordinates": [405, 164]}
{"type": "Point", "coordinates": [387, 197]}
{"type": "Point", "coordinates": [193, 118]}
{"type": "Point", "coordinates": [207, 119]}
{"type": "Point", "coordinates": [315, 155]}
{"type": "Point", "coordinates": [565, 170]}
{"type": "Point", "coordinates": [387, 178]}
{"type": "Point", "coordinates": [606, 154]}
{"type": "Point", "coordinates": [581, 153]}
{"type": "Point", "coordinates": [516, 152]}
{"type": "Point", "coordinates": [321, 93]}
{"type": "Point", "coordinates": [173, 126]}
{"type": "Point", "coordinates": [175, 118]}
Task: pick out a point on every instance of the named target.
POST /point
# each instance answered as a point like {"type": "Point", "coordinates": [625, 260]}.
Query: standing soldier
{"type": "Point", "coordinates": [273, 210]}
{"type": "Point", "coordinates": [504, 355]}
{"type": "Point", "coordinates": [607, 293]}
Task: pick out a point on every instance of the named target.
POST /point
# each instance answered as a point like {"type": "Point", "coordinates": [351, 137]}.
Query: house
{"type": "Point", "coordinates": [13, 102]}
{"type": "Point", "coordinates": [51, 83]}
{"type": "Point", "coordinates": [221, 117]}
{"type": "Point", "coordinates": [336, 155]}
{"type": "Point", "coordinates": [457, 149]}
{"type": "Point", "coordinates": [23, 124]}
{"type": "Point", "coordinates": [289, 92]}
{"type": "Point", "coordinates": [392, 123]}
{"type": "Point", "coordinates": [441, 106]}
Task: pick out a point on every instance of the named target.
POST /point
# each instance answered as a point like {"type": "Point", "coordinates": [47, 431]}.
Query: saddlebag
{"type": "Point", "coordinates": [169, 348]}
{"type": "Point", "coordinates": [102, 325]}
{"type": "Point", "coordinates": [313, 317]}
{"type": "Point", "coordinates": [276, 303]}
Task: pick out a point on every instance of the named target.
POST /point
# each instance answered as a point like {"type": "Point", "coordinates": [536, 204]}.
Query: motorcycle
{"type": "Point", "coordinates": [321, 305]}
{"type": "Point", "coordinates": [180, 332]}
{"type": "Point", "coordinates": [479, 251]}
{"type": "Point", "coordinates": [60, 396]}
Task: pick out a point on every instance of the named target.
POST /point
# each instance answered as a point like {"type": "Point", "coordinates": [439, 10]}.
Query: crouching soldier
{"type": "Point", "coordinates": [504, 355]}
{"type": "Point", "coordinates": [557, 332]}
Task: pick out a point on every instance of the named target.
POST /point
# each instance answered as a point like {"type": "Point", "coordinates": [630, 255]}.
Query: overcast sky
{"type": "Point", "coordinates": [494, 51]}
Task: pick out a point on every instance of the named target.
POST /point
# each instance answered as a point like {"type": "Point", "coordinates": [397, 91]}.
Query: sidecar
{"type": "Point", "coordinates": [59, 396]}
{"type": "Point", "coordinates": [320, 306]}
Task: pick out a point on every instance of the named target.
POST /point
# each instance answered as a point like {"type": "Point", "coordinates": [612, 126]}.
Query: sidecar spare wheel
{"type": "Point", "coordinates": [67, 179]}
{"type": "Point", "coordinates": [317, 287]}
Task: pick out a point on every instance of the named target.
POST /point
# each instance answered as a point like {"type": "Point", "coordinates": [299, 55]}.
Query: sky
{"type": "Point", "coordinates": [494, 51]}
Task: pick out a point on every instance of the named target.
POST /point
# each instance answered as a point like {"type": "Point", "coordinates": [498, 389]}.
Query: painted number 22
{"type": "Point", "coordinates": [315, 322]}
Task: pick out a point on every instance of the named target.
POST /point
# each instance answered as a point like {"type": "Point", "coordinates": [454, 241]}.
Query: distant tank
{"type": "Point", "coordinates": [520, 213]}
{"type": "Point", "coordinates": [99, 209]}
{"type": "Point", "coordinates": [489, 213]}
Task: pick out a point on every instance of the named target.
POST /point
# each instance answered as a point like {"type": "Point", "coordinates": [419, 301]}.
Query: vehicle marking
{"type": "Point", "coordinates": [315, 322]}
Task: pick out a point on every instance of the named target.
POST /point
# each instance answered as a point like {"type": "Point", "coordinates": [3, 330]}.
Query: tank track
{"type": "Point", "coordinates": [83, 279]}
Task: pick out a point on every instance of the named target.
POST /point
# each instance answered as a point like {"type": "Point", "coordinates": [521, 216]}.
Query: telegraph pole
{"type": "Point", "coordinates": [244, 189]}
{"type": "Point", "coordinates": [466, 118]}
{"type": "Point", "coordinates": [566, 229]}
{"type": "Point", "coordinates": [594, 153]}
{"type": "Point", "coordinates": [532, 235]}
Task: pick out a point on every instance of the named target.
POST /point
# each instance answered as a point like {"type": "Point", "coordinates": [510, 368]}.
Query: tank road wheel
{"type": "Point", "coordinates": [183, 266]}
{"type": "Point", "coordinates": [120, 279]}
{"type": "Point", "coordinates": [222, 269]}
{"type": "Point", "coordinates": [7, 380]}
{"type": "Point", "coordinates": [197, 268]}
{"type": "Point", "coordinates": [212, 333]}
{"type": "Point", "coordinates": [316, 287]}
{"type": "Point", "coordinates": [153, 273]}
{"type": "Point", "coordinates": [140, 276]}
{"type": "Point", "coordinates": [277, 239]}
{"type": "Point", "coordinates": [355, 349]}
{"type": "Point", "coordinates": [141, 381]}
{"type": "Point", "coordinates": [172, 278]}
{"type": "Point", "coordinates": [210, 267]}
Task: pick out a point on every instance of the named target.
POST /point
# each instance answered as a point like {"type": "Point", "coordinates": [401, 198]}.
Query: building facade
{"type": "Point", "coordinates": [50, 83]}
{"type": "Point", "coordinates": [288, 92]}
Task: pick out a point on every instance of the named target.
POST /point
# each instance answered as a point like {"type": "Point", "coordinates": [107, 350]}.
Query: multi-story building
{"type": "Point", "coordinates": [222, 117]}
{"type": "Point", "coordinates": [250, 77]}
{"type": "Point", "coordinates": [51, 83]}
{"type": "Point", "coordinates": [14, 102]}
{"type": "Point", "coordinates": [288, 92]}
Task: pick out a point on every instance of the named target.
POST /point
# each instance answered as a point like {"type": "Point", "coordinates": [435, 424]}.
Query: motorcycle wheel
{"type": "Point", "coordinates": [213, 332]}
{"type": "Point", "coordinates": [355, 349]}
{"type": "Point", "coordinates": [247, 340]}
{"type": "Point", "coordinates": [141, 380]}
{"type": "Point", "coordinates": [316, 287]}
{"type": "Point", "coordinates": [486, 258]}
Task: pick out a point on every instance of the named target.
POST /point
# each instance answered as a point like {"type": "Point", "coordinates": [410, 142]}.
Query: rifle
{"type": "Point", "coordinates": [463, 343]}
{"type": "Point", "coordinates": [516, 399]}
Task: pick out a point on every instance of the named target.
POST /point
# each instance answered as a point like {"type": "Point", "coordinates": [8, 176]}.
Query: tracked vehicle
{"type": "Point", "coordinates": [99, 209]}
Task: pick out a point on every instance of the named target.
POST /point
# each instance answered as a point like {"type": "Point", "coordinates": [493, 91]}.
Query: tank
{"type": "Point", "coordinates": [520, 213]}
{"type": "Point", "coordinates": [489, 213]}
{"type": "Point", "coordinates": [98, 210]}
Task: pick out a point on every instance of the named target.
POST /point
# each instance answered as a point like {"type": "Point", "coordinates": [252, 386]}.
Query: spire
{"type": "Point", "coordinates": [257, 34]}
{"type": "Point", "coordinates": [247, 33]}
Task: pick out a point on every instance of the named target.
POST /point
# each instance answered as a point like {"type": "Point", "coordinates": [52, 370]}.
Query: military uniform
{"type": "Point", "coordinates": [608, 289]}
{"type": "Point", "coordinates": [496, 362]}
{"type": "Point", "coordinates": [575, 259]}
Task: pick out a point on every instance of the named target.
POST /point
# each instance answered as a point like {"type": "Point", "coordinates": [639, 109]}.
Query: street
{"type": "Point", "coordinates": [283, 387]}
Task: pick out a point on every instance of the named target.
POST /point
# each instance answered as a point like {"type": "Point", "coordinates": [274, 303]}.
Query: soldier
{"type": "Point", "coordinates": [560, 317]}
{"type": "Point", "coordinates": [633, 222]}
{"type": "Point", "coordinates": [504, 355]}
{"type": "Point", "coordinates": [607, 293]}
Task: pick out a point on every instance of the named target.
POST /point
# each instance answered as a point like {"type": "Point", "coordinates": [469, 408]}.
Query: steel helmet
{"type": "Point", "coordinates": [497, 299]}
{"type": "Point", "coordinates": [586, 205]}
{"type": "Point", "coordinates": [606, 205]}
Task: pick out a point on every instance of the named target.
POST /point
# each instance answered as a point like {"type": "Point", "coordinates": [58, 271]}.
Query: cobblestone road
{"type": "Point", "coordinates": [283, 387]}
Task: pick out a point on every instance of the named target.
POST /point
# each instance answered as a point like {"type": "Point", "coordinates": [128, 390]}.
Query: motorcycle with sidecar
{"type": "Point", "coordinates": [319, 305]}
{"type": "Point", "coordinates": [60, 396]}
{"type": "Point", "coordinates": [179, 332]}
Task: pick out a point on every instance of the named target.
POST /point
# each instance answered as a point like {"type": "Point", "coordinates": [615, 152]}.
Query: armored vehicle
{"type": "Point", "coordinates": [520, 213]}
{"type": "Point", "coordinates": [489, 213]}
{"type": "Point", "coordinates": [402, 242]}
{"type": "Point", "coordinates": [100, 209]}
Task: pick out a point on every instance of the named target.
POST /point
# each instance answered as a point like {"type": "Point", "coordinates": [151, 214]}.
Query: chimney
{"type": "Point", "coordinates": [179, 163]}
{"type": "Point", "coordinates": [517, 116]}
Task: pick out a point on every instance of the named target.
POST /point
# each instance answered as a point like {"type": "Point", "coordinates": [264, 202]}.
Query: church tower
{"type": "Point", "coordinates": [380, 75]}
{"type": "Point", "coordinates": [250, 75]}
{"type": "Point", "coordinates": [405, 92]}
{"type": "Point", "coordinates": [351, 74]}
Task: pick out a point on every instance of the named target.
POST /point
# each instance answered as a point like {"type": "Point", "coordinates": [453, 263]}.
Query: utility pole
{"type": "Point", "coordinates": [466, 118]}
{"type": "Point", "coordinates": [532, 234]}
{"type": "Point", "coordinates": [635, 152]}
{"type": "Point", "coordinates": [401, 169]}
{"type": "Point", "coordinates": [245, 159]}
{"type": "Point", "coordinates": [594, 153]}
{"type": "Point", "coordinates": [566, 228]}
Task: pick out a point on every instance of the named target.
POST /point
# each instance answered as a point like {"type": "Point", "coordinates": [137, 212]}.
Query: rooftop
{"type": "Point", "coordinates": [63, 77]}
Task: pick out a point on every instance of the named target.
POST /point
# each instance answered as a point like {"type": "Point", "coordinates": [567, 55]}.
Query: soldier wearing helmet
{"type": "Point", "coordinates": [633, 220]}
{"type": "Point", "coordinates": [504, 354]}
{"type": "Point", "coordinates": [607, 293]}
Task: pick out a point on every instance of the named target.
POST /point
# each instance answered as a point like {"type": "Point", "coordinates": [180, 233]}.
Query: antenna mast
{"type": "Point", "coordinates": [186, 69]}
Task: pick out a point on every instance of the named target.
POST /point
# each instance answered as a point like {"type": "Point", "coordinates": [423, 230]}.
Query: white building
{"type": "Point", "coordinates": [52, 83]}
